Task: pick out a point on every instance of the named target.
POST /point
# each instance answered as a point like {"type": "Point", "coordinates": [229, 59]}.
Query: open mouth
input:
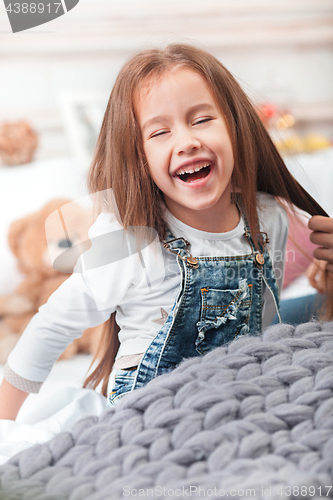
{"type": "Point", "coordinates": [194, 172]}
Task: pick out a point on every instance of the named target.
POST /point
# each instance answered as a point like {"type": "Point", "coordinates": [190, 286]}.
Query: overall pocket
{"type": "Point", "coordinates": [123, 383]}
{"type": "Point", "coordinates": [224, 315]}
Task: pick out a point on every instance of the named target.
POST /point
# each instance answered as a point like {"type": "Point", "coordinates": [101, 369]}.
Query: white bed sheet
{"type": "Point", "coordinates": [60, 402]}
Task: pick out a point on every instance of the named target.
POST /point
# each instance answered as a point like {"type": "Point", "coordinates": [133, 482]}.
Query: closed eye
{"type": "Point", "coordinates": [159, 133]}
{"type": "Point", "coordinates": [203, 120]}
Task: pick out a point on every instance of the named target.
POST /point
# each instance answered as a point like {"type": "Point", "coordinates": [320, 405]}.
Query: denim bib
{"type": "Point", "coordinates": [220, 299]}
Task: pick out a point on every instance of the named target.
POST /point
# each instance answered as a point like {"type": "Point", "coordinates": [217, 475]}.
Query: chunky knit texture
{"type": "Point", "coordinates": [257, 414]}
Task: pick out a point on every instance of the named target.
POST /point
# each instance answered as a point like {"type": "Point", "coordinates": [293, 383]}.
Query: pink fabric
{"type": "Point", "coordinates": [299, 251]}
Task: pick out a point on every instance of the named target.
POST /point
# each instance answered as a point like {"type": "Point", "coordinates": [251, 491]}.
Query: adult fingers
{"type": "Point", "coordinates": [322, 239]}
{"type": "Point", "coordinates": [320, 223]}
{"type": "Point", "coordinates": [324, 254]}
{"type": "Point", "coordinates": [322, 235]}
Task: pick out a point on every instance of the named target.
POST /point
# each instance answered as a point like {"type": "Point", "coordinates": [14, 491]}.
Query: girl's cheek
{"type": "Point", "coordinates": [153, 158]}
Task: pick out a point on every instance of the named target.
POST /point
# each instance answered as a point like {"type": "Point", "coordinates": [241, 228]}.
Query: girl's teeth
{"type": "Point", "coordinates": [191, 171]}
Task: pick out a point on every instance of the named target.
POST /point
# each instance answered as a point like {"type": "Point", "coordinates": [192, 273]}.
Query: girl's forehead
{"type": "Point", "coordinates": [156, 79]}
{"type": "Point", "coordinates": [178, 78]}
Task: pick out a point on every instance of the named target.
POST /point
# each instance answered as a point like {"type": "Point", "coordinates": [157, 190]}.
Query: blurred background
{"type": "Point", "coordinates": [57, 78]}
{"type": "Point", "coordinates": [280, 51]}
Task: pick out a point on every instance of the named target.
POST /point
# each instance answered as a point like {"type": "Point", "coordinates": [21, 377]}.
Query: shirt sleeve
{"type": "Point", "coordinates": [86, 299]}
{"type": "Point", "coordinates": [19, 382]}
{"type": "Point", "coordinates": [274, 221]}
{"type": "Point", "coordinates": [69, 311]}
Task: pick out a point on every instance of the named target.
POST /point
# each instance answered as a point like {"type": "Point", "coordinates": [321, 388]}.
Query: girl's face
{"type": "Point", "coordinates": [186, 144]}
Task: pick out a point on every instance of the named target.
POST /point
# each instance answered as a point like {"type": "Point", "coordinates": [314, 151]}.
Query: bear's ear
{"type": "Point", "coordinates": [16, 229]}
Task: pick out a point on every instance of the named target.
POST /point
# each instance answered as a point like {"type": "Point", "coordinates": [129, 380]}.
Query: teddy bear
{"type": "Point", "coordinates": [18, 143]}
{"type": "Point", "coordinates": [47, 245]}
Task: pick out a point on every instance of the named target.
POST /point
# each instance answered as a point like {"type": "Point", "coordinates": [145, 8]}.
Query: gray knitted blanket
{"type": "Point", "coordinates": [253, 419]}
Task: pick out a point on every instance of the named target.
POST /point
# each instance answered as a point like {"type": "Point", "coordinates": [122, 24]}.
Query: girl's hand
{"type": "Point", "coordinates": [316, 275]}
{"type": "Point", "coordinates": [322, 235]}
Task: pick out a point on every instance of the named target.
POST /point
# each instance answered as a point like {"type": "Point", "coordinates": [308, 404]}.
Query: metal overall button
{"type": "Point", "coordinates": [192, 261]}
{"type": "Point", "coordinates": [260, 259]}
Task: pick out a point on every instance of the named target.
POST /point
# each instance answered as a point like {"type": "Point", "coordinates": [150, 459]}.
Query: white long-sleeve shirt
{"type": "Point", "coordinates": [141, 288]}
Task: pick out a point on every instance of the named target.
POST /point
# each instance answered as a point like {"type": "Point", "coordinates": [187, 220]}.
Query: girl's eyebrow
{"type": "Point", "coordinates": [205, 106]}
{"type": "Point", "coordinates": [156, 119]}
{"type": "Point", "coordinates": [190, 111]}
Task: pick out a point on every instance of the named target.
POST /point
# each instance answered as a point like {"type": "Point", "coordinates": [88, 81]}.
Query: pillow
{"type": "Point", "coordinates": [25, 189]}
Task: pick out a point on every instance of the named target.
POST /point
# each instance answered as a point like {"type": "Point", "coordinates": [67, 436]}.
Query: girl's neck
{"type": "Point", "coordinates": [221, 221]}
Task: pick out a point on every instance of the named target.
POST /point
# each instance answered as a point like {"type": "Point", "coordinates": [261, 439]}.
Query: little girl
{"type": "Point", "coordinates": [184, 153]}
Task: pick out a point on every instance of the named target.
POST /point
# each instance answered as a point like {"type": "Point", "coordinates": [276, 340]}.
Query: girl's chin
{"type": "Point", "coordinates": [199, 204]}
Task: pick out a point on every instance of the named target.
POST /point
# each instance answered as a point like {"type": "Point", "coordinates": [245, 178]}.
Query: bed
{"type": "Point", "coordinates": [61, 400]}
{"type": "Point", "coordinates": [253, 418]}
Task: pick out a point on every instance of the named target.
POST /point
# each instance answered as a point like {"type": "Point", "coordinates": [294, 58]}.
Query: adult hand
{"type": "Point", "coordinates": [316, 275]}
{"type": "Point", "coordinates": [322, 235]}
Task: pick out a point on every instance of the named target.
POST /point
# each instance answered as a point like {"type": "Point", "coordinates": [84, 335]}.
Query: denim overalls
{"type": "Point", "coordinates": [220, 298]}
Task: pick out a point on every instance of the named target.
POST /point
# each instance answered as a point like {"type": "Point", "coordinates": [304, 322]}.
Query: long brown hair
{"type": "Point", "coordinates": [120, 163]}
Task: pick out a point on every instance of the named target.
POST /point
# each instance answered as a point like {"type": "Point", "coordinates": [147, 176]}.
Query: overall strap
{"type": "Point", "coordinates": [180, 247]}
{"type": "Point", "coordinates": [259, 254]}
{"type": "Point", "coordinates": [260, 258]}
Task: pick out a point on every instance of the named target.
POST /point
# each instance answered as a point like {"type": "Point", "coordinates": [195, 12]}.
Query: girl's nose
{"type": "Point", "coordinates": [187, 143]}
